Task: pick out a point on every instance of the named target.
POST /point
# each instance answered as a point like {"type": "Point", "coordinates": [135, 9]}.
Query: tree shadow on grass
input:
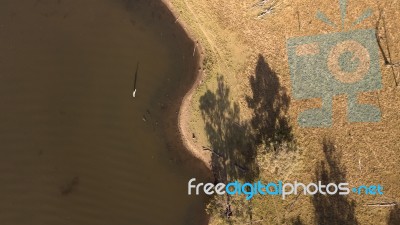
{"type": "Point", "coordinates": [270, 103]}
{"type": "Point", "coordinates": [230, 138]}
{"type": "Point", "coordinates": [394, 216]}
{"type": "Point", "coordinates": [234, 142]}
{"type": "Point", "coordinates": [332, 209]}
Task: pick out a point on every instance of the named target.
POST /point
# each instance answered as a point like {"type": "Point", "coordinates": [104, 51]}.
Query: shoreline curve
{"type": "Point", "coordinates": [185, 132]}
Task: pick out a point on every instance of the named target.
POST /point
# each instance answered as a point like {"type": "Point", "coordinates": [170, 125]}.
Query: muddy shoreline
{"type": "Point", "coordinates": [181, 144]}
{"type": "Point", "coordinates": [185, 103]}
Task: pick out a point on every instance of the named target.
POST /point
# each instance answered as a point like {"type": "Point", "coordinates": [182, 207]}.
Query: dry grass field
{"type": "Point", "coordinates": [244, 111]}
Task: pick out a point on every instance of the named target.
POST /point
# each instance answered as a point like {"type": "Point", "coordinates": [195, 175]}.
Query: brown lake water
{"type": "Point", "coordinates": [74, 148]}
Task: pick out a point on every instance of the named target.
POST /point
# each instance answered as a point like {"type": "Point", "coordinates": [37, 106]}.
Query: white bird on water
{"type": "Point", "coordinates": [134, 84]}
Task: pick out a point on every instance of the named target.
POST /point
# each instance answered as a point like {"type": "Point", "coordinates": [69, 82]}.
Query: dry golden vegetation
{"type": "Point", "coordinates": [244, 112]}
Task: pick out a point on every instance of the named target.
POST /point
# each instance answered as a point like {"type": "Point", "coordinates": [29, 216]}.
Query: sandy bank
{"type": "Point", "coordinates": [184, 116]}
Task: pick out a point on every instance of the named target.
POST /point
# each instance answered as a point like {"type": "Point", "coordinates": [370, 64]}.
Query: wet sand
{"type": "Point", "coordinates": [186, 134]}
